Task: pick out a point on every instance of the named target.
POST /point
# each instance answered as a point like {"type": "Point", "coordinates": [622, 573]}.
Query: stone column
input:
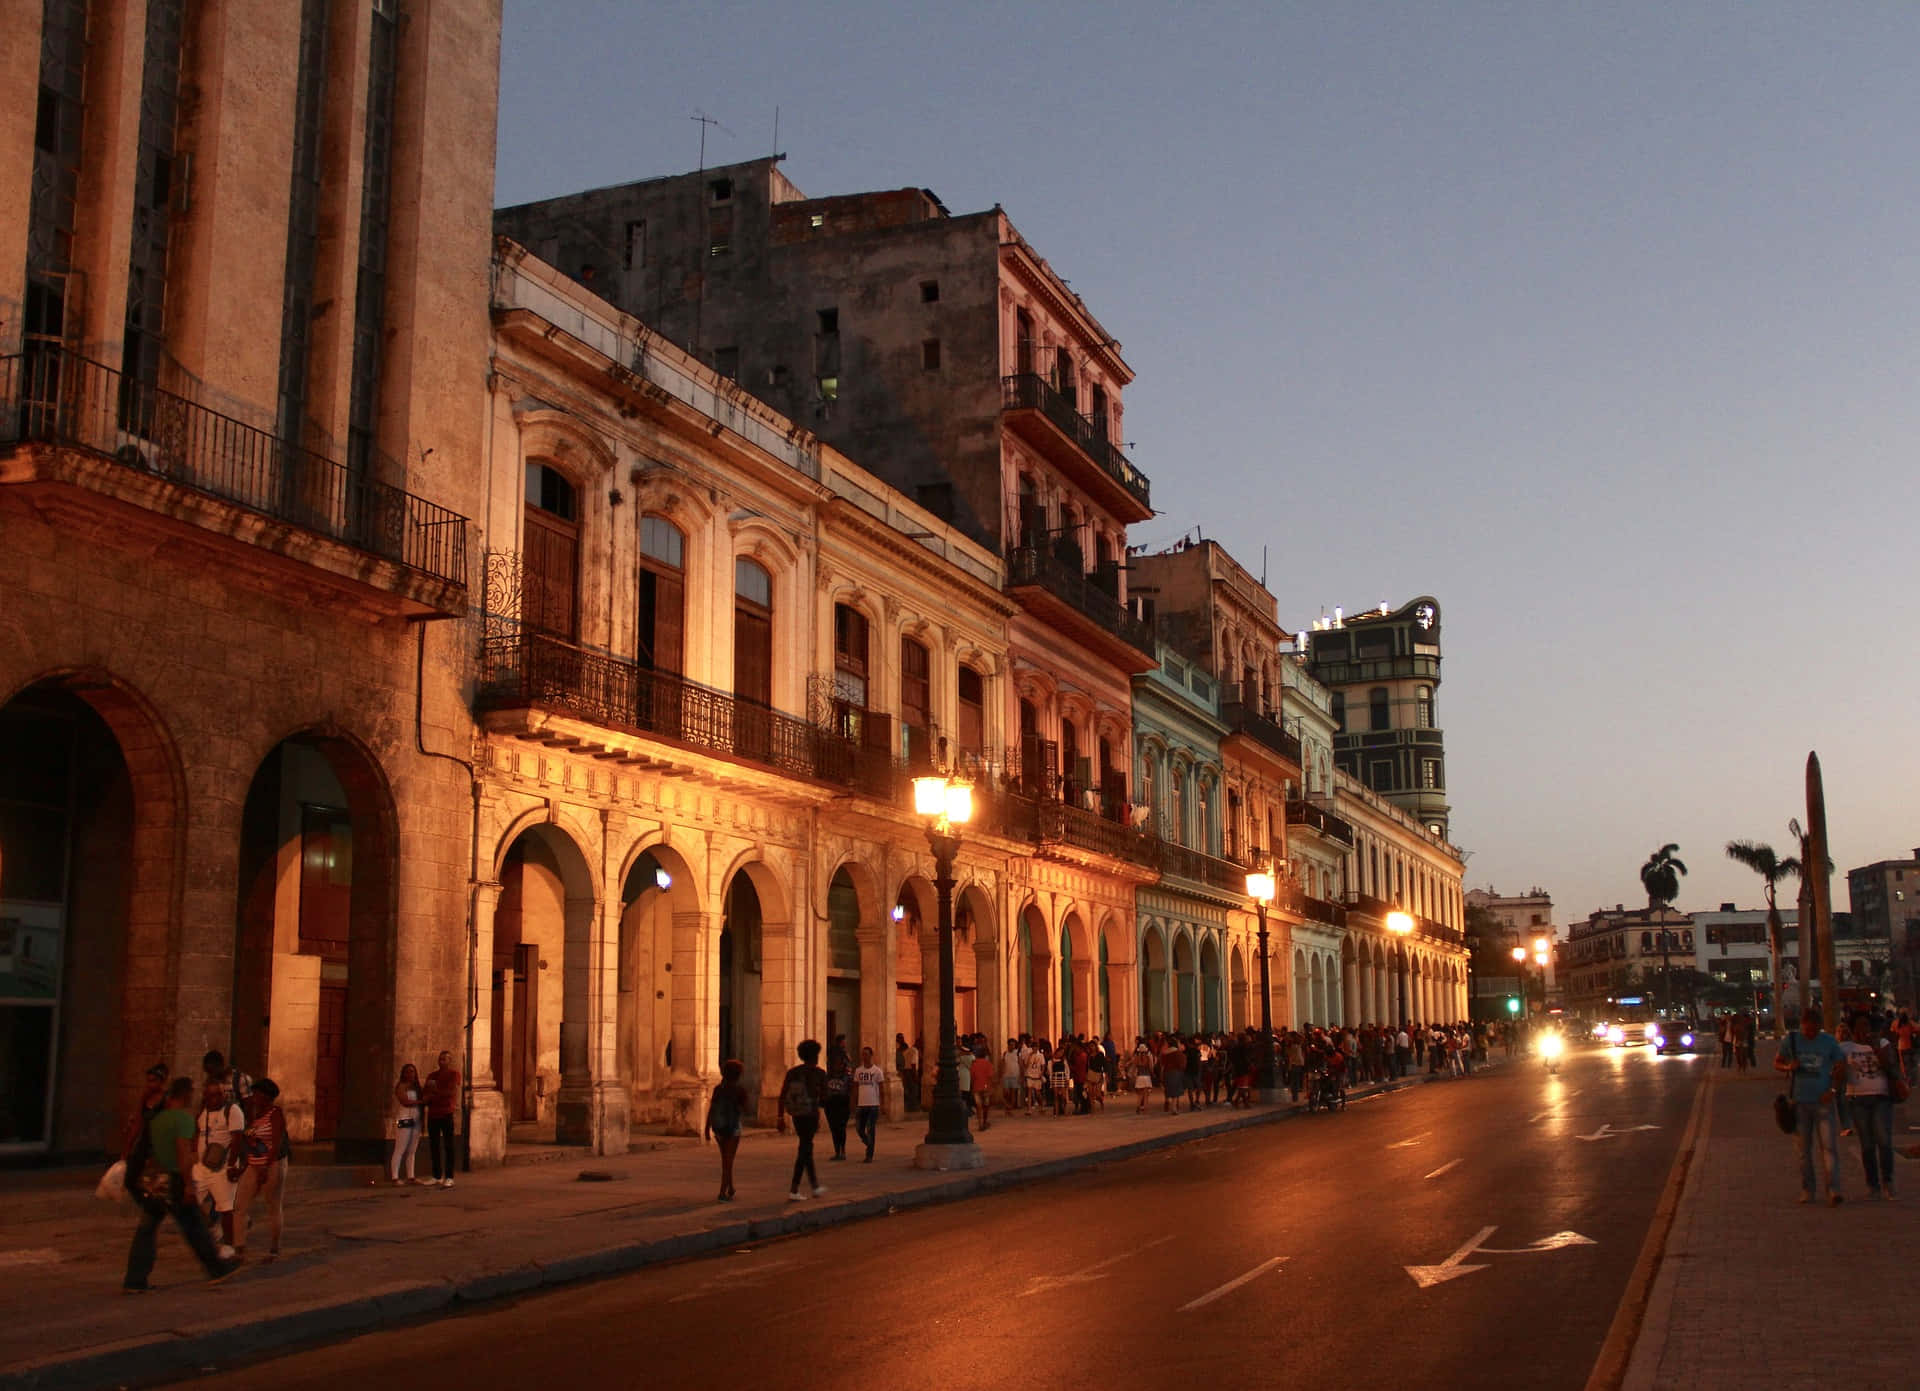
{"type": "Point", "coordinates": [694, 1001]}
{"type": "Point", "coordinates": [612, 1103]}
{"type": "Point", "coordinates": [487, 1105]}
{"type": "Point", "coordinates": [574, 1107]}
{"type": "Point", "coordinates": [877, 1007]}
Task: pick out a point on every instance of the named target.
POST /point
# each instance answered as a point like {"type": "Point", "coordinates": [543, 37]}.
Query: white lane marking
{"type": "Point", "coordinates": [1607, 1132]}
{"type": "Point", "coordinates": [1407, 1144]}
{"type": "Point", "coordinates": [1233, 1284]}
{"type": "Point", "coordinates": [1451, 1163]}
{"type": "Point", "coordinates": [1538, 1116]}
{"type": "Point", "coordinates": [1039, 1284]}
{"type": "Point", "coordinates": [1426, 1276]}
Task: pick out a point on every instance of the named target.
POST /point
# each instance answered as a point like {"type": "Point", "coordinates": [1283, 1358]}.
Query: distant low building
{"type": "Point", "coordinates": [1622, 951]}
{"type": "Point", "coordinates": [1885, 899]}
{"type": "Point", "coordinates": [1522, 917]}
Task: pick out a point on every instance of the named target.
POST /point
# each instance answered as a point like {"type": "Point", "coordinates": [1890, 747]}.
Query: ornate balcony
{"type": "Point", "coordinates": [1320, 819]}
{"type": "Point", "coordinates": [1264, 730]}
{"type": "Point", "coordinates": [529, 670]}
{"type": "Point", "coordinates": [1201, 868]}
{"type": "Point", "coordinates": [1047, 419]}
{"type": "Point", "coordinates": [1323, 910]}
{"type": "Point", "coordinates": [1436, 931]}
{"type": "Point", "coordinates": [1056, 823]}
{"type": "Point", "coordinates": [1369, 906]}
{"type": "Point", "coordinates": [94, 440]}
{"type": "Point", "coordinates": [1068, 600]}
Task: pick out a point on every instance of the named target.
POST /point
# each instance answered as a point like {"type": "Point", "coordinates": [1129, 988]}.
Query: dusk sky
{"type": "Point", "coordinates": [1597, 323]}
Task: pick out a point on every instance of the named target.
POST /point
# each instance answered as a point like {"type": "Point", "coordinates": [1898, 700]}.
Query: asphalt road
{"type": "Point", "coordinates": [1278, 1255]}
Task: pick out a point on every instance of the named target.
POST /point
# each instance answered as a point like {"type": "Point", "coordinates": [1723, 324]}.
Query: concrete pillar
{"type": "Point", "coordinates": [487, 1117]}
{"type": "Point", "coordinates": [694, 1029]}
{"type": "Point", "coordinates": [877, 991]}
{"type": "Point", "coordinates": [574, 1107]}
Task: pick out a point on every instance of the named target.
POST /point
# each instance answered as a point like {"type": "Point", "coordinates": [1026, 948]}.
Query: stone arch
{"type": "Point", "coordinates": [567, 442]}
{"type": "Point", "coordinates": [756, 960]}
{"type": "Point", "coordinates": [657, 981]}
{"type": "Point", "coordinates": [856, 956]}
{"type": "Point", "coordinates": [1154, 978]}
{"type": "Point", "coordinates": [1032, 960]}
{"type": "Point", "coordinates": [1213, 1000]}
{"type": "Point", "coordinates": [1078, 972]}
{"type": "Point", "coordinates": [110, 937]}
{"type": "Point", "coordinates": [1116, 982]}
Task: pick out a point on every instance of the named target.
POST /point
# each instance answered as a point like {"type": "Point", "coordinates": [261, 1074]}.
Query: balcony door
{"type": "Point", "coordinates": [660, 644]}
{"type": "Point", "coordinates": [752, 658]}
{"type": "Point", "coordinates": [916, 702]}
{"type": "Point", "coordinates": [550, 554]}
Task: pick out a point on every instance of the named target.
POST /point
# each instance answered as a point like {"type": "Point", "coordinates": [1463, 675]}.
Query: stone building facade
{"type": "Point", "coordinates": [1619, 951]}
{"type": "Point", "coordinates": [239, 423]}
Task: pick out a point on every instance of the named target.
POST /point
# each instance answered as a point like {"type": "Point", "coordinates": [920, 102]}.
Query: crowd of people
{"type": "Point", "coordinates": [1841, 1086]}
{"type": "Point", "coordinates": [207, 1155]}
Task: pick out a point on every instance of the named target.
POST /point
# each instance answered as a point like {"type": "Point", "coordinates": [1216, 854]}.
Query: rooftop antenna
{"type": "Point", "coordinates": [700, 303]}
{"type": "Point", "coordinates": [705, 120]}
{"type": "Point", "coordinates": [1263, 564]}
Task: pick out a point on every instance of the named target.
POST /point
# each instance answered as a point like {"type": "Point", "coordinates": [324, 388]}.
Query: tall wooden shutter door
{"type": "Point", "coordinates": [669, 623]}
{"type": "Point", "coordinates": [752, 657]}
{"type": "Point", "coordinates": [552, 561]}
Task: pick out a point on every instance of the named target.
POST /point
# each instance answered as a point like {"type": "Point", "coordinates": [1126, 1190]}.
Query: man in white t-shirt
{"type": "Point", "coordinates": [868, 1079]}
{"type": "Point", "coordinates": [1010, 1076]}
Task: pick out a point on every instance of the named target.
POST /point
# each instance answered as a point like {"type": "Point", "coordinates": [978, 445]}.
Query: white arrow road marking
{"type": "Point", "coordinates": [1607, 1132]}
{"type": "Point", "coordinates": [1426, 1276]}
{"type": "Point", "coordinates": [1538, 1116]}
{"type": "Point", "coordinates": [1407, 1144]}
{"type": "Point", "coordinates": [1039, 1284]}
{"type": "Point", "coordinates": [1233, 1284]}
{"type": "Point", "coordinates": [1444, 1167]}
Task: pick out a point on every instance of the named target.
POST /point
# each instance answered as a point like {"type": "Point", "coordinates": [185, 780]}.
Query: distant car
{"type": "Point", "coordinates": [1628, 1033]}
{"type": "Point", "coordinates": [1674, 1036]}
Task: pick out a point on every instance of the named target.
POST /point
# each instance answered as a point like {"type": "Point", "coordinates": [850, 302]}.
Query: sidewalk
{"type": "Point", "coordinates": [358, 1256]}
{"type": "Point", "coordinates": [1753, 1288]}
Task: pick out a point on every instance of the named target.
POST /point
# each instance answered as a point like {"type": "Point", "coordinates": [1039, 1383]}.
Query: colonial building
{"type": "Point", "coordinates": [1523, 918]}
{"type": "Point", "coordinates": [1885, 901]}
{"type": "Point", "coordinates": [1624, 951]}
{"type": "Point", "coordinates": [946, 357]}
{"type": "Point", "coordinates": [1383, 668]}
{"type": "Point", "coordinates": [242, 359]}
{"type": "Point", "coordinates": [1398, 865]}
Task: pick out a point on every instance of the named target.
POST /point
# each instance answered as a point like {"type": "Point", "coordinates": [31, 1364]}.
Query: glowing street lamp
{"type": "Point", "coordinates": [945, 804]}
{"type": "Point", "coordinates": [1260, 888]}
{"type": "Point", "coordinates": [1400, 924]}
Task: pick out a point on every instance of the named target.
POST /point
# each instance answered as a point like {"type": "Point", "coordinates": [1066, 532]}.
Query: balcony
{"type": "Point", "coordinates": [1264, 730]}
{"type": "Point", "coordinates": [1201, 868]}
{"type": "Point", "coordinates": [1323, 821]}
{"type": "Point", "coordinates": [1046, 419]}
{"type": "Point", "coordinates": [524, 671]}
{"type": "Point", "coordinates": [1063, 596]}
{"type": "Point", "coordinates": [1324, 910]}
{"type": "Point", "coordinates": [1056, 823]}
{"type": "Point", "coordinates": [1436, 931]}
{"type": "Point", "coordinates": [74, 430]}
{"type": "Point", "coordinates": [1369, 906]}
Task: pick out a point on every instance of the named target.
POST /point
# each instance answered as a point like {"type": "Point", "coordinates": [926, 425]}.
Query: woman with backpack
{"type": "Point", "coordinates": [726, 1114]}
{"type": "Point", "coordinates": [803, 1095]}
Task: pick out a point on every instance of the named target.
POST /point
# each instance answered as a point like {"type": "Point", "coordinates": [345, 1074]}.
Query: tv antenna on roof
{"type": "Point", "coordinates": [705, 120]}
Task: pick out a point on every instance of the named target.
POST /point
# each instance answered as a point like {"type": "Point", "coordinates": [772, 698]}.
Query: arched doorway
{"type": "Point", "coordinates": [1186, 986]}
{"type": "Point", "coordinates": [313, 940]}
{"type": "Point", "coordinates": [90, 825]}
{"type": "Point", "coordinates": [1153, 981]}
{"type": "Point", "coordinates": [659, 907]}
{"type": "Point", "coordinates": [738, 1012]}
{"type": "Point", "coordinates": [1212, 995]}
{"type": "Point", "coordinates": [543, 930]}
{"type": "Point", "coordinates": [843, 962]}
{"type": "Point", "coordinates": [1040, 974]}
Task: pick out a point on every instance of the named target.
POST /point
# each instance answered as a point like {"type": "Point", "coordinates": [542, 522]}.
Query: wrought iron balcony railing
{"type": "Point", "coordinates": [1058, 823]}
{"type": "Point", "coordinates": [1324, 910]}
{"type": "Point", "coordinates": [1242, 718]}
{"type": "Point", "coordinates": [1203, 868]}
{"type": "Point", "coordinates": [49, 394]}
{"type": "Point", "coordinates": [1028, 391]}
{"type": "Point", "coordinates": [1316, 817]}
{"type": "Point", "coordinates": [1029, 565]}
{"type": "Point", "coordinates": [530, 668]}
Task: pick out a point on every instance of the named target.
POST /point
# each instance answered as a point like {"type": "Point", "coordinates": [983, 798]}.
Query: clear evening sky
{"type": "Point", "coordinates": [1597, 322]}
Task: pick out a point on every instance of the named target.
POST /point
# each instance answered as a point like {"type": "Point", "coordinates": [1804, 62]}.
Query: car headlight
{"type": "Point", "coordinates": [1551, 1046]}
{"type": "Point", "coordinates": [1686, 1040]}
{"type": "Point", "coordinates": [1616, 1034]}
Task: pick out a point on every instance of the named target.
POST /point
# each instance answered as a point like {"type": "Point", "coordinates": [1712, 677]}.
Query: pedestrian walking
{"type": "Point", "coordinates": [868, 1080]}
{"type": "Point", "coordinates": [980, 1082]}
{"type": "Point", "coordinates": [157, 1176]}
{"type": "Point", "coordinates": [1173, 1075]}
{"type": "Point", "coordinates": [803, 1095]}
{"type": "Point", "coordinates": [839, 1100]}
{"type": "Point", "coordinates": [216, 1169]}
{"type": "Point", "coordinates": [265, 1178]}
{"type": "Point", "coordinates": [1817, 1067]}
{"type": "Point", "coordinates": [1872, 1065]}
{"type": "Point", "coordinates": [409, 1119]}
{"type": "Point", "coordinates": [153, 1100]}
{"type": "Point", "coordinates": [726, 1116]}
{"type": "Point", "coordinates": [443, 1099]}
{"type": "Point", "coordinates": [1142, 1073]}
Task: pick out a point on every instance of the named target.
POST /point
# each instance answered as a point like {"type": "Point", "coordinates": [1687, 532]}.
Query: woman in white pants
{"type": "Point", "coordinates": [409, 1119]}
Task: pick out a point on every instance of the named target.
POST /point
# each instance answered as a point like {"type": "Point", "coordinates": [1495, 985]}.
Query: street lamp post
{"type": "Point", "coordinates": [1400, 924]}
{"type": "Point", "coordinates": [946, 804]}
{"type": "Point", "coordinates": [1260, 890]}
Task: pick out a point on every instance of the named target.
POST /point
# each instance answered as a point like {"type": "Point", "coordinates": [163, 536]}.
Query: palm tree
{"type": "Point", "coordinates": [1772, 868]}
{"type": "Point", "coordinates": [1660, 877]}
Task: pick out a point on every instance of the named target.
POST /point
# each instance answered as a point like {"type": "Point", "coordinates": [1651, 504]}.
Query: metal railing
{"type": "Point", "coordinates": [1028, 391]}
{"type": "Point", "coordinates": [1028, 565]}
{"type": "Point", "coordinates": [1057, 823]}
{"type": "Point", "coordinates": [530, 668]}
{"type": "Point", "coordinates": [1325, 910]}
{"type": "Point", "coordinates": [1203, 868]}
{"type": "Point", "coordinates": [1371, 906]}
{"type": "Point", "coordinates": [1438, 931]}
{"type": "Point", "coordinates": [1242, 718]}
{"type": "Point", "coordinates": [1315, 817]}
{"type": "Point", "coordinates": [50, 394]}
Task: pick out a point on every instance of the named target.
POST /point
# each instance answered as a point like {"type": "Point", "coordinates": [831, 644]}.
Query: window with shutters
{"type": "Point", "coordinates": [752, 632]}
{"type": "Point", "coordinates": [663, 596]}
{"type": "Point", "coordinates": [551, 560]}
{"type": "Point", "coordinates": [1073, 781]}
{"type": "Point", "coordinates": [916, 701]}
{"type": "Point", "coordinates": [1377, 709]}
{"type": "Point", "coordinates": [971, 731]}
{"type": "Point", "coordinates": [850, 633]}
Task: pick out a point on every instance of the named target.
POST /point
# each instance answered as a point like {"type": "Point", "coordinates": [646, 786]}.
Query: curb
{"type": "Point", "coordinates": [153, 1357]}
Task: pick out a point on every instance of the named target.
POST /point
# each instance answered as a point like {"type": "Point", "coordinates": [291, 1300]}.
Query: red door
{"type": "Point", "coordinates": [330, 1061]}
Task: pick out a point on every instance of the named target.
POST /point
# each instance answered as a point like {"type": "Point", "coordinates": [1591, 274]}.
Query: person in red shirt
{"type": "Point", "coordinates": [980, 1080]}
{"type": "Point", "coordinates": [443, 1099]}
